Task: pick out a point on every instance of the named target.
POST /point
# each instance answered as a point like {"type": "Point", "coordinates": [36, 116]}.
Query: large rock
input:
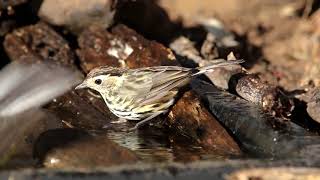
{"type": "Point", "coordinates": [120, 47]}
{"type": "Point", "coordinates": [77, 14]}
{"type": "Point", "coordinates": [190, 117]}
{"type": "Point", "coordinates": [95, 47]}
{"type": "Point", "coordinates": [313, 106]}
{"type": "Point", "coordinates": [72, 148]}
{"type": "Point", "coordinates": [283, 173]}
{"type": "Point", "coordinates": [38, 42]}
{"type": "Point", "coordinates": [258, 132]}
{"type": "Point", "coordinates": [77, 111]}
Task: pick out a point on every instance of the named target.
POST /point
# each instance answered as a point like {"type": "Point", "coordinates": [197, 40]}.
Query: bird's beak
{"type": "Point", "coordinates": [81, 86]}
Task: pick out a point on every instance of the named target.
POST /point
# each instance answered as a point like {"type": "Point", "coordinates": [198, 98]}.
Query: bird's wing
{"type": "Point", "coordinates": [147, 85]}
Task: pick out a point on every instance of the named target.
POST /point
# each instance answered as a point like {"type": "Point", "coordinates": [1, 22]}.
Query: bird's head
{"type": "Point", "coordinates": [101, 79]}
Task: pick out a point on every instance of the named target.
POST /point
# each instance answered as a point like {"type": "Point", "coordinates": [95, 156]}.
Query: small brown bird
{"type": "Point", "coordinates": [143, 93]}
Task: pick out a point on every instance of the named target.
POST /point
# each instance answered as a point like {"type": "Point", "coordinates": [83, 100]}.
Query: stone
{"type": "Point", "coordinates": [145, 53]}
{"type": "Point", "coordinates": [38, 42]}
{"type": "Point", "coordinates": [76, 15]}
{"type": "Point", "coordinates": [94, 43]}
{"type": "Point", "coordinates": [6, 26]}
{"type": "Point", "coordinates": [190, 117]}
{"type": "Point", "coordinates": [283, 173]}
{"type": "Point", "coordinates": [78, 112]}
{"type": "Point", "coordinates": [120, 47]}
{"type": "Point", "coordinates": [270, 98]}
{"type": "Point", "coordinates": [258, 132]}
{"type": "Point", "coordinates": [73, 148]}
{"type": "Point", "coordinates": [313, 106]}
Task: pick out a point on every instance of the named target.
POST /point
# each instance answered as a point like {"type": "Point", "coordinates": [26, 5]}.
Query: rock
{"type": "Point", "coordinates": [94, 43]}
{"type": "Point", "coordinates": [72, 148]}
{"type": "Point", "coordinates": [313, 106]}
{"type": "Point", "coordinates": [145, 52]}
{"type": "Point", "coordinates": [270, 98]}
{"type": "Point", "coordinates": [184, 47]}
{"type": "Point", "coordinates": [209, 49]}
{"type": "Point", "coordinates": [315, 20]}
{"type": "Point", "coordinates": [311, 52]}
{"type": "Point", "coordinates": [38, 43]}
{"type": "Point", "coordinates": [6, 26]}
{"type": "Point", "coordinates": [78, 112]}
{"type": "Point", "coordinates": [257, 131]}
{"type": "Point", "coordinates": [283, 173]}
{"type": "Point", "coordinates": [189, 116]}
{"type": "Point", "coordinates": [188, 13]}
{"type": "Point", "coordinates": [76, 15]}
{"type": "Point", "coordinates": [122, 47]}
{"type": "Point", "coordinates": [217, 31]}
{"type": "Point", "coordinates": [96, 100]}
{"type": "Point", "coordinates": [222, 76]}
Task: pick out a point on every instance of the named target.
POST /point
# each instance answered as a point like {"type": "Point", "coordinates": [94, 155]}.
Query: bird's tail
{"type": "Point", "coordinates": [215, 64]}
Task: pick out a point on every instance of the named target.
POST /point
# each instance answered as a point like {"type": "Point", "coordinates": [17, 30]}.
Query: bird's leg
{"type": "Point", "coordinates": [120, 120]}
{"type": "Point", "coordinates": [141, 123]}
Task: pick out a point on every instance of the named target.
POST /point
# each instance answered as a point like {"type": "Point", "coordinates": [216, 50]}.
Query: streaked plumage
{"type": "Point", "coordinates": [143, 93]}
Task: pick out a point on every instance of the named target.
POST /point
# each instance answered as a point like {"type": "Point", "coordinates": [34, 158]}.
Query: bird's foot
{"type": "Point", "coordinates": [136, 127]}
{"type": "Point", "coordinates": [119, 121]}
{"type": "Point", "coordinates": [144, 122]}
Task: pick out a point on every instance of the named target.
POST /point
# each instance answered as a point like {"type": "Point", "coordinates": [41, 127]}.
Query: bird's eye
{"type": "Point", "coordinates": [98, 81]}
